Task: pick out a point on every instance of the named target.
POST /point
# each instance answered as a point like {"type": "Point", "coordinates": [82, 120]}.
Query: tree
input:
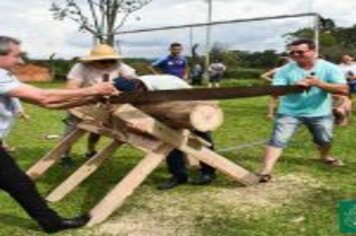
{"type": "Point", "coordinates": [222, 52]}
{"type": "Point", "coordinates": [101, 18]}
{"type": "Point", "coordinates": [334, 40]}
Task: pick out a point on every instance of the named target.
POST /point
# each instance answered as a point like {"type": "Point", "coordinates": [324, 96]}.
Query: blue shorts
{"type": "Point", "coordinates": [352, 86]}
{"type": "Point", "coordinates": [321, 128]}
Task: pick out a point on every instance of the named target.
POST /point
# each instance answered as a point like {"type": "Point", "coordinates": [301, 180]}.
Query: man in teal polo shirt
{"type": "Point", "coordinates": [311, 108]}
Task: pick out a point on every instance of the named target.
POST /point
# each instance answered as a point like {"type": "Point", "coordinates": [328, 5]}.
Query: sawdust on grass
{"type": "Point", "coordinates": [173, 213]}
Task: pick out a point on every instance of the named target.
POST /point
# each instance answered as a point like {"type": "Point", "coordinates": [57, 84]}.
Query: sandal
{"type": "Point", "coordinates": [264, 178]}
{"type": "Point", "coordinates": [332, 161]}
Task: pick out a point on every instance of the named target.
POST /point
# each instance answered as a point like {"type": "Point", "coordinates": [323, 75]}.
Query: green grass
{"type": "Point", "coordinates": [302, 199]}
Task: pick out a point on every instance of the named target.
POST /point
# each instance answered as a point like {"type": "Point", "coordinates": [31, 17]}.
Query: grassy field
{"type": "Point", "coordinates": [302, 199]}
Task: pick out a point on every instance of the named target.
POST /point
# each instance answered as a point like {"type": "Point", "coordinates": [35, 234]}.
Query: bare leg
{"type": "Point", "coordinates": [324, 151]}
{"type": "Point", "coordinates": [270, 158]}
{"type": "Point", "coordinates": [326, 158]}
{"type": "Point", "coordinates": [341, 115]}
{"type": "Point", "coordinates": [271, 107]}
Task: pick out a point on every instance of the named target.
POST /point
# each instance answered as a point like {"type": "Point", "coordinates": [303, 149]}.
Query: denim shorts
{"type": "Point", "coordinates": [321, 129]}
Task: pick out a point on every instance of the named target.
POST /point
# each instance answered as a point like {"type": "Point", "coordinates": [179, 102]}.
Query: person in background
{"type": "Point", "coordinates": [13, 180]}
{"type": "Point", "coordinates": [268, 77]}
{"type": "Point", "coordinates": [197, 74]}
{"type": "Point", "coordinates": [311, 108]}
{"type": "Point", "coordinates": [348, 67]}
{"type": "Point", "coordinates": [216, 71]}
{"type": "Point", "coordinates": [103, 63]}
{"type": "Point", "coordinates": [343, 104]}
{"type": "Point", "coordinates": [173, 64]}
{"type": "Point", "coordinates": [175, 159]}
{"type": "Point", "coordinates": [341, 109]}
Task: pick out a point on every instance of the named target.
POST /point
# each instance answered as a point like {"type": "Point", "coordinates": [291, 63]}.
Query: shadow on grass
{"type": "Point", "coordinates": [15, 221]}
{"type": "Point", "coordinates": [313, 165]}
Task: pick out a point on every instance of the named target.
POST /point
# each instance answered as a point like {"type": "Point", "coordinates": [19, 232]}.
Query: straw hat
{"type": "Point", "coordinates": [101, 52]}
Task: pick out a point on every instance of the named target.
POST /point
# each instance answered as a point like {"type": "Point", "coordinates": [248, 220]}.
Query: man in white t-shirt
{"type": "Point", "coordinates": [216, 71]}
{"type": "Point", "coordinates": [102, 64]}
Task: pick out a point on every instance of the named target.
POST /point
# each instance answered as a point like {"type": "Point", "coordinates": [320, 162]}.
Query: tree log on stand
{"type": "Point", "coordinates": [194, 115]}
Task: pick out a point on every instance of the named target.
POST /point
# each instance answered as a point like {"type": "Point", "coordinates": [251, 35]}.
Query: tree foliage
{"type": "Point", "coordinates": [101, 18]}
{"type": "Point", "coordinates": [334, 40]}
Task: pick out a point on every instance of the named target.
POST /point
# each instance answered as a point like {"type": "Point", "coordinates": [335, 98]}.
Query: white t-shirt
{"type": "Point", "coordinates": [347, 68]}
{"type": "Point", "coordinates": [8, 105]}
{"type": "Point", "coordinates": [217, 68]}
{"type": "Point", "coordinates": [163, 82]}
{"type": "Point", "coordinates": [89, 75]}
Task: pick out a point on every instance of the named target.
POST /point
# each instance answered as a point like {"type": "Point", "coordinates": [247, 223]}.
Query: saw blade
{"type": "Point", "coordinates": [144, 97]}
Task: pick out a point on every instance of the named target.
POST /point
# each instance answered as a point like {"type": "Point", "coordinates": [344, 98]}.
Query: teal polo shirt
{"type": "Point", "coordinates": [314, 102]}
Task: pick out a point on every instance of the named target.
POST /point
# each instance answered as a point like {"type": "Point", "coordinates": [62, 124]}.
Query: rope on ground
{"type": "Point", "coordinates": [242, 146]}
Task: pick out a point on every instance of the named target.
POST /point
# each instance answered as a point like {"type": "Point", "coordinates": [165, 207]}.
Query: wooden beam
{"type": "Point", "coordinates": [51, 157]}
{"type": "Point", "coordinates": [126, 186]}
{"type": "Point", "coordinates": [83, 172]}
{"type": "Point", "coordinates": [222, 164]}
{"type": "Point", "coordinates": [140, 141]}
{"type": "Point", "coordinates": [147, 124]}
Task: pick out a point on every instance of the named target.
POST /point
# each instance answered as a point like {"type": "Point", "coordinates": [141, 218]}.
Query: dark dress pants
{"type": "Point", "coordinates": [176, 164]}
{"type": "Point", "coordinates": [20, 187]}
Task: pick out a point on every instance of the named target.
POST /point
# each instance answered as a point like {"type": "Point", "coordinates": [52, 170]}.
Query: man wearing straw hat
{"type": "Point", "coordinates": [103, 63]}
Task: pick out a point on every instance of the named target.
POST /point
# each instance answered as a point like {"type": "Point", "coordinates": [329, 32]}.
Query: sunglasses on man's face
{"type": "Point", "coordinates": [297, 52]}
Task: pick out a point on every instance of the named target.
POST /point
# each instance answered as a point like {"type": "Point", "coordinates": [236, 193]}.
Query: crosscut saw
{"type": "Point", "coordinates": [146, 97]}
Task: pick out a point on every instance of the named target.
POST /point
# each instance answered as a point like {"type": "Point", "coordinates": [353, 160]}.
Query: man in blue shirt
{"type": "Point", "coordinates": [173, 64]}
{"type": "Point", "coordinates": [311, 108]}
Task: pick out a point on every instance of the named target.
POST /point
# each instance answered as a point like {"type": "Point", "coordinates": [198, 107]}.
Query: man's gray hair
{"type": "Point", "coordinates": [5, 42]}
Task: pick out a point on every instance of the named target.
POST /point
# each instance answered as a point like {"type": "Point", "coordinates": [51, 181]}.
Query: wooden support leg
{"type": "Point", "coordinates": [221, 163]}
{"type": "Point", "coordinates": [116, 197]}
{"type": "Point", "coordinates": [50, 158]}
{"type": "Point", "coordinates": [82, 173]}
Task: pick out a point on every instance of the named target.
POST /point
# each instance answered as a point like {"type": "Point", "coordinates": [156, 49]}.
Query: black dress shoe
{"type": "Point", "coordinates": [172, 183]}
{"type": "Point", "coordinates": [64, 224]}
{"type": "Point", "coordinates": [203, 179]}
{"type": "Point", "coordinates": [66, 162]}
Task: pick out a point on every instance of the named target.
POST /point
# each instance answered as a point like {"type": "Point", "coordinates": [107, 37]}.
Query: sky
{"type": "Point", "coordinates": [41, 35]}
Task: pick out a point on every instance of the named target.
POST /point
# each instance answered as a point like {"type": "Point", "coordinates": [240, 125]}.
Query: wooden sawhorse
{"type": "Point", "coordinates": [130, 125]}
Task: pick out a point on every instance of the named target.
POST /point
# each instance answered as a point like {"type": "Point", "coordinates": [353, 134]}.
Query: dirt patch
{"type": "Point", "coordinates": [264, 197]}
{"type": "Point", "coordinates": [174, 213]}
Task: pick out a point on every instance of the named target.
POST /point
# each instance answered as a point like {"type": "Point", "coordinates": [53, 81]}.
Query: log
{"type": "Point", "coordinates": [194, 115]}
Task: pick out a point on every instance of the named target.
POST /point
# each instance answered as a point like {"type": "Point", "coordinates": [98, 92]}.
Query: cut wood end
{"type": "Point", "coordinates": [206, 118]}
